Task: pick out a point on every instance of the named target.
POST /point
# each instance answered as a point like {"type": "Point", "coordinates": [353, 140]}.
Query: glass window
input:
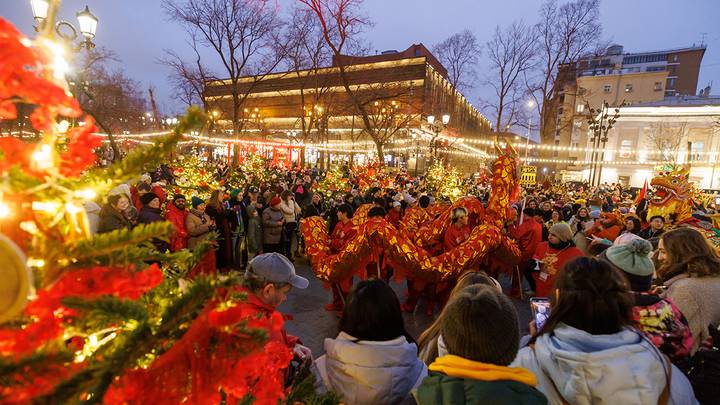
{"type": "Point", "coordinates": [581, 108]}
{"type": "Point", "coordinates": [696, 149]}
{"type": "Point", "coordinates": [626, 149]}
{"type": "Point", "coordinates": [628, 88]}
{"type": "Point", "coordinates": [607, 88]}
{"type": "Point", "coordinates": [658, 86]}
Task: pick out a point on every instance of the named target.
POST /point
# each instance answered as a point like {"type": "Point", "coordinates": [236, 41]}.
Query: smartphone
{"type": "Point", "coordinates": [540, 307]}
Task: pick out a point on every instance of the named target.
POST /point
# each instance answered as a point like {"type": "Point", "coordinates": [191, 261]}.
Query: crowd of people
{"type": "Point", "coordinates": [632, 299]}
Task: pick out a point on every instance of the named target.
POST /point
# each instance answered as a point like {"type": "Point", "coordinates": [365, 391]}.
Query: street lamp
{"type": "Point", "coordinates": [530, 105]}
{"type": "Point", "coordinates": [437, 128]}
{"type": "Point", "coordinates": [88, 24]}
{"type": "Point", "coordinates": [86, 21]}
{"type": "Point", "coordinates": [39, 10]}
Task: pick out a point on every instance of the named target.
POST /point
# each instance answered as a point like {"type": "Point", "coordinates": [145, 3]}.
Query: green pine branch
{"type": "Point", "coordinates": [109, 243]}
{"type": "Point", "coordinates": [98, 313]}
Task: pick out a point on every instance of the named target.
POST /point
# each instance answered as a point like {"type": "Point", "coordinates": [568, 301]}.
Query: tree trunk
{"type": "Point", "coordinates": [381, 155]}
{"type": "Point", "coordinates": [236, 123]}
{"type": "Point", "coordinates": [498, 123]}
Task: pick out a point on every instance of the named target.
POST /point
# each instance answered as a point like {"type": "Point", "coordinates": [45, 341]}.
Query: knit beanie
{"type": "Point", "coordinates": [481, 324]}
{"type": "Point", "coordinates": [562, 231]}
{"type": "Point", "coordinates": [179, 197]}
{"type": "Point", "coordinates": [235, 192]}
{"type": "Point", "coordinates": [275, 201]}
{"type": "Point", "coordinates": [146, 198]}
{"type": "Point", "coordinates": [196, 201]}
{"type": "Point", "coordinates": [633, 258]}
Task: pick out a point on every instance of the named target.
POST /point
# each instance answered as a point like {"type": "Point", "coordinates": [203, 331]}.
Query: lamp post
{"type": "Point", "coordinates": [417, 151]}
{"type": "Point", "coordinates": [437, 128]}
{"type": "Point", "coordinates": [600, 125]}
{"type": "Point", "coordinates": [87, 24]}
{"type": "Point", "coordinates": [530, 105]}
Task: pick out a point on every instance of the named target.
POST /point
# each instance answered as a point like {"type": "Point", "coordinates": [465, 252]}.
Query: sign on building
{"type": "Point", "coordinates": [528, 176]}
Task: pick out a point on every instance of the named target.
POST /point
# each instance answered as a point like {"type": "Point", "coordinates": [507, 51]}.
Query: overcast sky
{"type": "Point", "coordinates": [138, 31]}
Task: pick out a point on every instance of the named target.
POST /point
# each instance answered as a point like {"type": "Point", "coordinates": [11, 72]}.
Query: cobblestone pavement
{"type": "Point", "coordinates": [312, 323]}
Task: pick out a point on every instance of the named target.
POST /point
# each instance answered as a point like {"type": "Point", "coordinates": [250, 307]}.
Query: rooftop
{"type": "Point", "coordinates": [680, 101]}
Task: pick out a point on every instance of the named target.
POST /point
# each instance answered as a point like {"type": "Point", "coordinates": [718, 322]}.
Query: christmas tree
{"type": "Point", "coordinates": [85, 318]}
{"type": "Point", "coordinates": [444, 182]}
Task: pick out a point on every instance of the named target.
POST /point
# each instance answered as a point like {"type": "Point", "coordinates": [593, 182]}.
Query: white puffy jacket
{"type": "Point", "coordinates": [365, 372]}
{"type": "Point", "coordinates": [617, 369]}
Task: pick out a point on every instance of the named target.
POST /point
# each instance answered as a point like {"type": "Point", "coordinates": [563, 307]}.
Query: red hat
{"type": "Point", "coordinates": [275, 201]}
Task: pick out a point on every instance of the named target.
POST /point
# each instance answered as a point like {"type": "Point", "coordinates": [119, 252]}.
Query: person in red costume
{"type": "Point", "coordinates": [552, 256]}
{"type": "Point", "coordinates": [528, 235]}
{"type": "Point", "coordinates": [459, 231]}
{"type": "Point", "coordinates": [343, 233]}
{"type": "Point", "coordinates": [268, 279]}
{"type": "Point", "coordinates": [176, 215]}
{"type": "Point", "coordinates": [607, 227]}
{"type": "Point", "coordinates": [395, 214]}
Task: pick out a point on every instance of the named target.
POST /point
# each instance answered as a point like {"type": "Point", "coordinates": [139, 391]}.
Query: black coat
{"type": "Point", "coordinates": [111, 220]}
{"type": "Point", "coordinates": [149, 215]}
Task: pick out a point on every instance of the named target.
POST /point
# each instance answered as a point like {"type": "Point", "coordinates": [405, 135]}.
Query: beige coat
{"type": "Point", "coordinates": [196, 229]}
{"type": "Point", "coordinates": [698, 298]}
{"type": "Point", "coordinates": [290, 210]}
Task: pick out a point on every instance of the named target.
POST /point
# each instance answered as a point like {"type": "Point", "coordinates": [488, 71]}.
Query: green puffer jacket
{"type": "Point", "coordinates": [438, 388]}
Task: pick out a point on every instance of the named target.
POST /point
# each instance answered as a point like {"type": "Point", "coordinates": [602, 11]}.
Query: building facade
{"type": "Point", "coordinates": [615, 78]}
{"type": "Point", "coordinates": [399, 90]}
{"type": "Point", "coordinates": [683, 131]}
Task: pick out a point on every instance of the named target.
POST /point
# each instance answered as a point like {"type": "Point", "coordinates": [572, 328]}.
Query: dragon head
{"type": "Point", "coordinates": [672, 194]}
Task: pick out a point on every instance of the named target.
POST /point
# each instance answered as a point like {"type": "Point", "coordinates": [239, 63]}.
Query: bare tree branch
{"type": "Point", "coordinates": [667, 138]}
{"type": "Point", "coordinates": [564, 34]}
{"type": "Point", "coordinates": [460, 54]}
{"type": "Point", "coordinates": [511, 52]}
{"type": "Point", "coordinates": [242, 34]}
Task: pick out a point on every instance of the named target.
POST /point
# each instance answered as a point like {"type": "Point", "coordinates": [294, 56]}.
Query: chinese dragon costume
{"type": "Point", "coordinates": [410, 247]}
{"type": "Point", "coordinates": [675, 197]}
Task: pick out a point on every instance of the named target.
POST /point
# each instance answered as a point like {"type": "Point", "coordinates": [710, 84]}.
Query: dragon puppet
{"type": "Point", "coordinates": [674, 198]}
{"type": "Point", "coordinates": [407, 249]}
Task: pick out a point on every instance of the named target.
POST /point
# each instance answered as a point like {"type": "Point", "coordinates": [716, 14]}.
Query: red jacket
{"type": "Point", "coordinates": [250, 308]}
{"type": "Point", "coordinates": [454, 236]}
{"type": "Point", "coordinates": [136, 197]}
{"type": "Point", "coordinates": [342, 234]}
{"type": "Point", "coordinates": [528, 236]}
{"type": "Point", "coordinates": [551, 262]}
{"type": "Point", "coordinates": [175, 216]}
{"type": "Point", "coordinates": [394, 217]}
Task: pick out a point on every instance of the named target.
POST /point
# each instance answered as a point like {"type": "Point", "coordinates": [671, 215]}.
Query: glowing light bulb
{"type": "Point", "coordinates": [59, 65]}
{"type": "Point", "coordinates": [50, 207]}
{"type": "Point", "coordinates": [38, 263]}
{"type": "Point", "coordinates": [42, 157]}
{"type": "Point", "coordinates": [4, 210]}
{"type": "Point", "coordinates": [86, 194]}
{"type": "Point", "coordinates": [63, 126]}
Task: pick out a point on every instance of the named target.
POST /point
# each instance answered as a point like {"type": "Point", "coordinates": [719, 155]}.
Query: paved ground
{"type": "Point", "coordinates": [312, 323]}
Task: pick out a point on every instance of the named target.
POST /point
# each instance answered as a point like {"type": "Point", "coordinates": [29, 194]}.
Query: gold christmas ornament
{"type": "Point", "coordinates": [16, 280]}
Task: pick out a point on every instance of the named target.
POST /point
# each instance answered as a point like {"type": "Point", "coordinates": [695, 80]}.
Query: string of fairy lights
{"type": "Point", "coordinates": [409, 145]}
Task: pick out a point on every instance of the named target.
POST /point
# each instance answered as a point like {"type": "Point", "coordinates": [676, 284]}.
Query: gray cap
{"type": "Point", "coordinates": [276, 268]}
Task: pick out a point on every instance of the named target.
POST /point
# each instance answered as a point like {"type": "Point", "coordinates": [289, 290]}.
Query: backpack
{"type": "Point", "coordinates": [703, 369]}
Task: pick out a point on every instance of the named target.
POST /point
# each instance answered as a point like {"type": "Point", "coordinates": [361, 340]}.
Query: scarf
{"type": "Point", "coordinates": [199, 214]}
{"type": "Point", "coordinates": [561, 245]}
{"type": "Point", "coordinates": [455, 366]}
